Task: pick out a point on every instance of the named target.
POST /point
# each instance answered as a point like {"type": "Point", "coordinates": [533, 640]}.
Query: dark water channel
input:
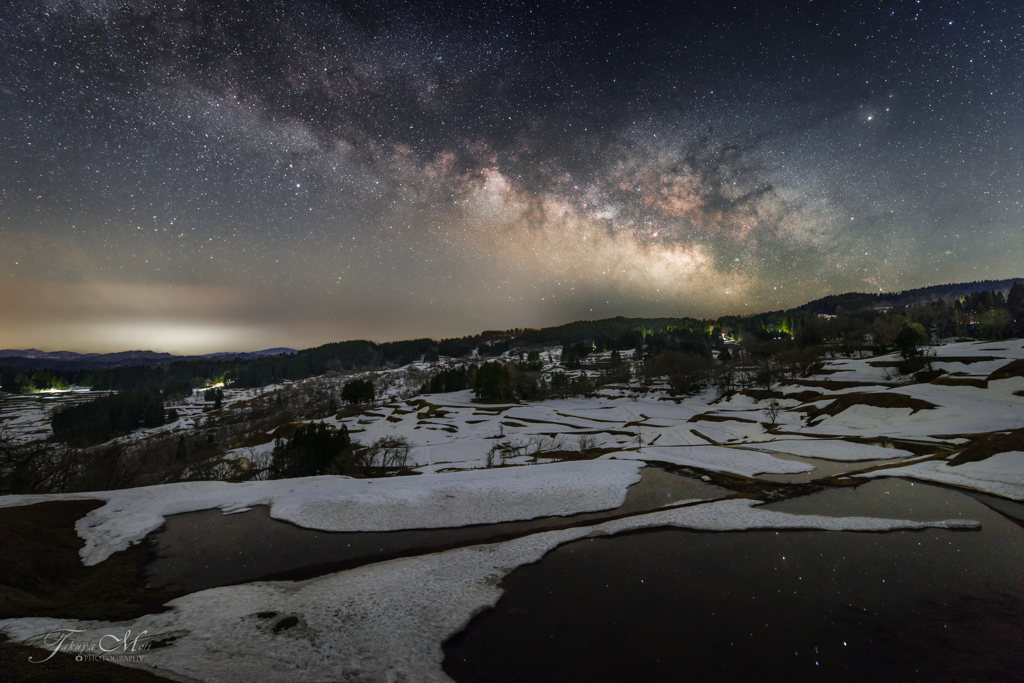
{"type": "Point", "coordinates": [674, 605]}
{"type": "Point", "coordinates": [200, 550]}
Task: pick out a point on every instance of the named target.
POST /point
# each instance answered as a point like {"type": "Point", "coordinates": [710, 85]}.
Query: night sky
{"type": "Point", "coordinates": [228, 176]}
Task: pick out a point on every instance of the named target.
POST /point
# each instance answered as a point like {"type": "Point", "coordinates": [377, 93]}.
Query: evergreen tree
{"type": "Point", "coordinates": [909, 339]}
{"type": "Point", "coordinates": [310, 452]}
{"type": "Point", "coordinates": [358, 391]}
{"type": "Point", "coordinates": [493, 382]}
{"type": "Point", "coordinates": [153, 415]}
{"type": "Point", "coordinates": [454, 379]}
{"type": "Point", "coordinates": [105, 417]}
{"type": "Point", "coordinates": [181, 451]}
{"type": "Point", "coordinates": [1015, 303]}
{"type": "Point", "coordinates": [216, 395]}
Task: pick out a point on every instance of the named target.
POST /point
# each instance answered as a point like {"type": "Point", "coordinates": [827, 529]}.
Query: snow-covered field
{"type": "Point", "coordinates": [27, 418]}
{"type": "Point", "coordinates": [837, 449]}
{"type": "Point", "coordinates": [1001, 475]}
{"type": "Point", "coordinates": [451, 431]}
{"type": "Point", "coordinates": [387, 621]}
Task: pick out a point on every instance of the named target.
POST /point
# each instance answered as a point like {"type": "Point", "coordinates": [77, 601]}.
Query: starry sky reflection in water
{"type": "Point", "coordinates": [223, 175]}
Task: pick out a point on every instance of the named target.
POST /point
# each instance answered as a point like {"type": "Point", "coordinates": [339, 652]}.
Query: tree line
{"type": "Point", "coordinates": [108, 416]}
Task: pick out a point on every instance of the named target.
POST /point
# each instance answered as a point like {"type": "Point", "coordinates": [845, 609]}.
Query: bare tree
{"type": "Point", "coordinates": [543, 444]}
{"type": "Point", "coordinates": [38, 466]}
{"type": "Point", "coordinates": [586, 443]}
{"type": "Point", "coordinates": [772, 411]}
{"type": "Point", "coordinates": [501, 453]}
{"type": "Point", "coordinates": [767, 372]}
{"type": "Point", "coordinates": [998, 319]}
{"type": "Point", "coordinates": [385, 455]}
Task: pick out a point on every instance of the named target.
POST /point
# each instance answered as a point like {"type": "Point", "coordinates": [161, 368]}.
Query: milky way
{"type": "Point", "coordinates": [227, 175]}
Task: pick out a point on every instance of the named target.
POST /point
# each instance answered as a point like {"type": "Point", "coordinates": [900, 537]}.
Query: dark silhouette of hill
{"type": "Point", "coordinates": [34, 359]}
{"type": "Point", "coordinates": [854, 301]}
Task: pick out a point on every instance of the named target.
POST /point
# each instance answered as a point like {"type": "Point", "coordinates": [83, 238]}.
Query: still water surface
{"type": "Point", "coordinates": [200, 550]}
{"type": "Point", "coordinates": [674, 605]}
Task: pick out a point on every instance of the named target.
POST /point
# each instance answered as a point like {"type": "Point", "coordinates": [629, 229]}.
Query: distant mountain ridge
{"type": "Point", "coordinates": [71, 355]}
{"type": "Point", "coordinates": [912, 297]}
{"type": "Point", "coordinates": [34, 359]}
{"type": "Point", "coordinates": [254, 354]}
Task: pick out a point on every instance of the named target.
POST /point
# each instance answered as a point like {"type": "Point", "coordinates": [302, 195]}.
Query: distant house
{"type": "Point", "coordinates": [826, 316]}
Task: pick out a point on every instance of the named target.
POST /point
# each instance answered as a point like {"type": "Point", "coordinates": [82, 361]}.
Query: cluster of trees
{"type": "Point", "coordinates": [179, 378]}
{"type": "Point", "coordinates": [981, 315]}
{"type": "Point", "coordinates": [686, 372]}
{"type": "Point", "coordinates": [309, 453]}
{"type": "Point", "coordinates": [454, 379]}
{"type": "Point", "coordinates": [523, 380]}
{"type": "Point", "coordinates": [533, 361]}
{"type": "Point", "coordinates": [102, 419]}
{"type": "Point", "coordinates": [135, 376]}
{"type": "Point", "coordinates": [14, 382]}
{"type": "Point", "coordinates": [177, 390]}
{"type": "Point", "coordinates": [464, 346]}
{"type": "Point", "coordinates": [61, 467]}
{"type": "Point", "coordinates": [563, 385]}
{"type": "Point", "coordinates": [767, 356]}
{"type": "Point", "coordinates": [496, 348]}
{"type": "Point", "coordinates": [612, 333]}
{"type": "Point", "coordinates": [629, 339]}
{"type": "Point", "coordinates": [574, 354]}
{"type": "Point", "coordinates": [509, 381]}
{"type": "Point", "coordinates": [216, 395]}
{"type": "Point", "coordinates": [494, 381]}
{"type": "Point", "coordinates": [320, 449]}
{"type": "Point", "coordinates": [990, 314]}
{"type": "Point", "coordinates": [965, 310]}
{"type": "Point", "coordinates": [517, 381]}
{"type": "Point", "coordinates": [855, 301]}
{"type": "Point", "coordinates": [357, 391]}
{"type": "Point", "coordinates": [695, 340]}
{"type": "Point", "coordinates": [340, 356]}
{"type": "Point", "coordinates": [457, 348]}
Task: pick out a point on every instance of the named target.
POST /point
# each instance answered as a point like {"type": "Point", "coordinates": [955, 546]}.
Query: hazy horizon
{"type": "Point", "coordinates": [155, 348]}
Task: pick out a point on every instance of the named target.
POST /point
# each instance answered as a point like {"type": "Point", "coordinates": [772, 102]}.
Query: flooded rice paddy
{"type": "Point", "coordinates": [200, 550]}
{"type": "Point", "coordinates": [674, 605]}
